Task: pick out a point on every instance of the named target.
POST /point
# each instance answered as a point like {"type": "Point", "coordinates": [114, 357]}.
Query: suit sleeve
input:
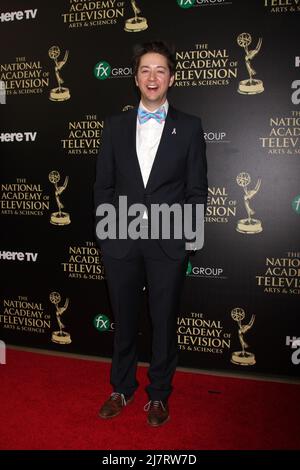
{"type": "Point", "coordinates": [104, 188]}
{"type": "Point", "coordinates": [196, 186]}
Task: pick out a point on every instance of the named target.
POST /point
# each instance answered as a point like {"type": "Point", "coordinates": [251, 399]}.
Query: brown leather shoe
{"type": "Point", "coordinates": [114, 405]}
{"type": "Point", "coordinates": [158, 413]}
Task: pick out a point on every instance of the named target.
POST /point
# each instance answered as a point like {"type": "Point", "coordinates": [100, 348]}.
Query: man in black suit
{"type": "Point", "coordinates": [153, 155]}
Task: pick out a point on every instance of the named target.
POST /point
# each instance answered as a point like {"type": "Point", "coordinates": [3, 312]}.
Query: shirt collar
{"type": "Point", "coordinates": [165, 105]}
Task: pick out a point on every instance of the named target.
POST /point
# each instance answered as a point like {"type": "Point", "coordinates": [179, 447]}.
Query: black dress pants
{"type": "Point", "coordinates": [145, 264]}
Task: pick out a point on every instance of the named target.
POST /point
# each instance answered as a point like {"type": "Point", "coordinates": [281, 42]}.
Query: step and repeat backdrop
{"type": "Point", "coordinates": [64, 66]}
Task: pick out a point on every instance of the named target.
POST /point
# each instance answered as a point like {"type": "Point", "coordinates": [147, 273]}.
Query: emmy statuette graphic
{"type": "Point", "coordinates": [59, 218]}
{"type": "Point", "coordinates": [251, 86]}
{"type": "Point", "coordinates": [136, 24]}
{"type": "Point", "coordinates": [242, 358]}
{"type": "Point", "coordinates": [61, 336]}
{"type": "Point", "coordinates": [60, 93]}
{"type": "Point", "coordinates": [249, 225]}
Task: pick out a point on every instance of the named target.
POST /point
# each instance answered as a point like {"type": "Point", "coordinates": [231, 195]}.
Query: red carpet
{"type": "Point", "coordinates": [51, 402]}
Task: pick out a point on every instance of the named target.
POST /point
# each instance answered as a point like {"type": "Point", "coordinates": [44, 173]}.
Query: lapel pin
{"type": "Point", "coordinates": [174, 131]}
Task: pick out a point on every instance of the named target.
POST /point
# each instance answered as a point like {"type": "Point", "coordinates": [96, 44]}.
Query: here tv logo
{"type": "Point", "coordinates": [18, 15]}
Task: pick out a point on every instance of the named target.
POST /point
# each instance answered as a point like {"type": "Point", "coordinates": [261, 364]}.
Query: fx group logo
{"type": "Point", "coordinates": [296, 204]}
{"type": "Point", "coordinates": [207, 272]}
{"type": "Point", "coordinates": [215, 137]}
{"type": "Point", "coordinates": [103, 70]}
{"type": "Point", "coordinates": [198, 3]}
{"type": "Point", "coordinates": [102, 323]}
{"type": "Point", "coordinates": [186, 3]}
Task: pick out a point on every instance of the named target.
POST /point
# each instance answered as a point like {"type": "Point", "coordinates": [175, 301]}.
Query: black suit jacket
{"type": "Point", "coordinates": [178, 174]}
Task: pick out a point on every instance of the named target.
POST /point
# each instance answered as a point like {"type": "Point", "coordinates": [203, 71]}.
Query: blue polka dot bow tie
{"type": "Point", "coordinates": [159, 115]}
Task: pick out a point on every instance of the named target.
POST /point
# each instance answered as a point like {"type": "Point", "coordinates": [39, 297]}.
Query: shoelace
{"type": "Point", "coordinates": [116, 396]}
{"type": "Point", "coordinates": [155, 404]}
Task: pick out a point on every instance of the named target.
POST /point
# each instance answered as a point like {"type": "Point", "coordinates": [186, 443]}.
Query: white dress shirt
{"type": "Point", "coordinates": [148, 137]}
